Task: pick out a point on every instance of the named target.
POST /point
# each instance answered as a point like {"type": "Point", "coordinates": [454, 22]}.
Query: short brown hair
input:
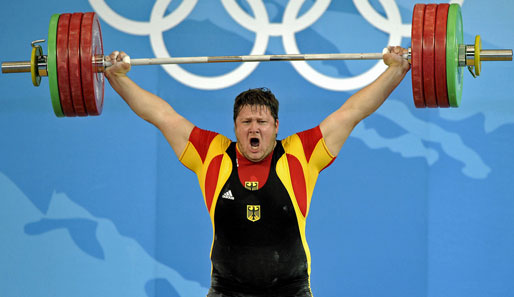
{"type": "Point", "coordinates": [258, 97]}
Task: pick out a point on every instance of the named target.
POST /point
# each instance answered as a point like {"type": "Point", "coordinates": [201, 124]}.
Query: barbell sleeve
{"type": "Point", "coordinates": [16, 67]}
{"type": "Point", "coordinates": [496, 55]}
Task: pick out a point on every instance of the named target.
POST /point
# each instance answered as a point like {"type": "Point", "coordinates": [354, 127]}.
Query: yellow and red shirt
{"type": "Point", "coordinates": [258, 210]}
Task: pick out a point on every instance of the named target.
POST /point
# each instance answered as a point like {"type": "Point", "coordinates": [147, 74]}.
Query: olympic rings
{"type": "Point", "coordinates": [260, 24]}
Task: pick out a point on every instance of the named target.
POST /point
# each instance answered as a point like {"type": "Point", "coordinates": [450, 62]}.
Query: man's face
{"type": "Point", "coordinates": [256, 132]}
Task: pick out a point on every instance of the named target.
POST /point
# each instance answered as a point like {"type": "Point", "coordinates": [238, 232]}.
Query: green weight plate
{"type": "Point", "coordinates": [454, 38]}
{"type": "Point", "coordinates": [52, 65]}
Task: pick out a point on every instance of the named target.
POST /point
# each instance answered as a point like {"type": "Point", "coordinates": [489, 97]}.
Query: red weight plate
{"type": "Point", "coordinates": [63, 78]}
{"type": "Point", "coordinates": [74, 63]}
{"type": "Point", "coordinates": [429, 55]}
{"type": "Point", "coordinates": [417, 55]}
{"type": "Point", "coordinates": [440, 55]}
{"type": "Point", "coordinates": [91, 47]}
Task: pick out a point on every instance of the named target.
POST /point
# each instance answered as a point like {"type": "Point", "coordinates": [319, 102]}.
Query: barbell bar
{"type": "Point", "coordinates": [25, 66]}
{"type": "Point", "coordinates": [75, 62]}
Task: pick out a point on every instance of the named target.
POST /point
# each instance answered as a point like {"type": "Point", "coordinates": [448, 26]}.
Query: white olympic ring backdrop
{"type": "Point", "coordinates": [263, 29]}
{"type": "Point", "coordinates": [420, 202]}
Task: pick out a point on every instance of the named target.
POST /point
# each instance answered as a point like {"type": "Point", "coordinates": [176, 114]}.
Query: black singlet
{"type": "Point", "coordinates": [257, 248]}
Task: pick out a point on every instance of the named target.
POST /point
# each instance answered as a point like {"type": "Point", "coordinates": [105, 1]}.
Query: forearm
{"type": "Point", "coordinates": [337, 127]}
{"type": "Point", "coordinates": [370, 98]}
{"type": "Point", "coordinates": [145, 104]}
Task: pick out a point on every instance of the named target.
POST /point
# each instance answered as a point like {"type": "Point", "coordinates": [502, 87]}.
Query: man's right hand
{"type": "Point", "coordinates": [146, 105]}
{"type": "Point", "coordinates": [120, 65]}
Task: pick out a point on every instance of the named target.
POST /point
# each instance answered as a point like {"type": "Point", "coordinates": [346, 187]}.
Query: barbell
{"type": "Point", "coordinates": [75, 62]}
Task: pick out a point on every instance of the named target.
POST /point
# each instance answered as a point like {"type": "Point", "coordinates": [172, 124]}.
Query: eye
{"type": "Point", "coordinates": [262, 122]}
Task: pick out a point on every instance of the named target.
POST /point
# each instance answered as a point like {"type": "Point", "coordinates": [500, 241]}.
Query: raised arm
{"type": "Point", "coordinates": [337, 126]}
{"type": "Point", "coordinates": [148, 106]}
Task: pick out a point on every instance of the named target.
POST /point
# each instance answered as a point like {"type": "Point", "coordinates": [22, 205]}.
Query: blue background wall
{"type": "Point", "coordinates": [418, 203]}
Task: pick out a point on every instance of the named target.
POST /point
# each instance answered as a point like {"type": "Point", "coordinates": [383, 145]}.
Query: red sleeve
{"type": "Point", "coordinates": [310, 139]}
{"type": "Point", "coordinates": [204, 155]}
{"type": "Point", "coordinates": [201, 140]}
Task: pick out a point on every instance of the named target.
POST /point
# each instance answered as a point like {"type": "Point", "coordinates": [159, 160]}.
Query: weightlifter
{"type": "Point", "coordinates": [258, 185]}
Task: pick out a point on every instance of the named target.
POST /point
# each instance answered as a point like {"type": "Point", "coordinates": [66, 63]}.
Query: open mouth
{"type": "Point", "coordinates": [254, 142]}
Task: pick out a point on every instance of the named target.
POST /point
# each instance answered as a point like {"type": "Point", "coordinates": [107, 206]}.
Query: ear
{"type": "Point", "coordinates": [276, 126]}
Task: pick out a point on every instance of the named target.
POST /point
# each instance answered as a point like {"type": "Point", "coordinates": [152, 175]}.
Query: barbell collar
{"type": "Point", "coordinates": [467, 55]}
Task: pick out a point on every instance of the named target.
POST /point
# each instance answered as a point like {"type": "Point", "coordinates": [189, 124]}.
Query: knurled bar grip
{"type": "Point", "coordinates": [254, 58]}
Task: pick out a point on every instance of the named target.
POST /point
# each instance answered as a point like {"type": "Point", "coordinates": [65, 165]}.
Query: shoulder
{"type": "Point", "coordinates": [306, 140]}
{"type": "Point", "coordinates": [309, 146]}
{"type": "Point", "coordinates": [202, 144]}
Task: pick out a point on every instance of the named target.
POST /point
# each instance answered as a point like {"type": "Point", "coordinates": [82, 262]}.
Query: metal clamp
{"type": "Point", "coordinates": [35, 59]}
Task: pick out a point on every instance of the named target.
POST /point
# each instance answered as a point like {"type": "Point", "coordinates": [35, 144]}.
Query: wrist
{"type": "Point", "coordinates": [400, 68]}
{"type": "Point", "coordinates": [114, 76]}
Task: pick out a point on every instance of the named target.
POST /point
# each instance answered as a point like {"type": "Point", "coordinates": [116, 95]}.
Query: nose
{"type": "Point", "coordinates": [254, 127]}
